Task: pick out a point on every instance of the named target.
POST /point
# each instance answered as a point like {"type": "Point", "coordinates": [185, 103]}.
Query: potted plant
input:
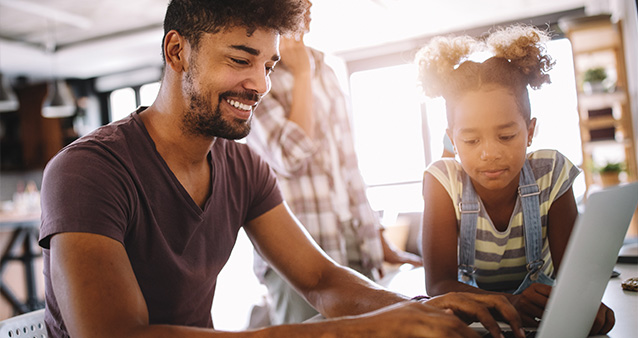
{"type": "Point", "coordinates": [593, 80]}
{"type": "Point", "coordinates": [609, 173]}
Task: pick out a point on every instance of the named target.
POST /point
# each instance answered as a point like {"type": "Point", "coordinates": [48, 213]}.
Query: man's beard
{"type": "Point", "coordinates": [200, 118]}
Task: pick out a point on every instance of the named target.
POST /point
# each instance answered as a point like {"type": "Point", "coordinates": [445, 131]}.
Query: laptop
{"type": "Point", "coordinates": [587, 265]}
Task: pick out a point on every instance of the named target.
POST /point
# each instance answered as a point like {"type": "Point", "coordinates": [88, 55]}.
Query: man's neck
{"type": "Point", "coordinates": [173, 144]}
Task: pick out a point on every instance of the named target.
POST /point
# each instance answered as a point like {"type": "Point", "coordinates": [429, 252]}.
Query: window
{"type": "Point", "coordinates": [121, 103]}
{"type": "Point", "coordinates": [387, 129]}
{"type": "Point", "coordinates": [148, 93]}
{"type": "Point", "coordinates": [124, 101]}
{"type": "Point", "coordinates": [398, 132]}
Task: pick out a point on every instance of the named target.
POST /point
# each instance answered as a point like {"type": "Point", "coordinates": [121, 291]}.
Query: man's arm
{"type": "Point", "coordinates": [338, 291]}
{"type": "Point", "coordinates": [98, 293]}
{"type": "Point", "coordinates": [329, 287]}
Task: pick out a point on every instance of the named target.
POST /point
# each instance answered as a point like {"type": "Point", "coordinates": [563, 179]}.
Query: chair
{"type": "Point", "coordinates": [28, 325]}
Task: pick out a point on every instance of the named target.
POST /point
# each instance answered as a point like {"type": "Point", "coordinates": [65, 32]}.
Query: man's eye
{"type": "Point", "coordinates": [471, 141]}
{"type": "Point", "coordinates": [507, 137]}
{"type": "Point", "coordinates": [239, 61]}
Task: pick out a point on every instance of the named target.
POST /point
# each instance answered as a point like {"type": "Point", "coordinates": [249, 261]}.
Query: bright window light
{"type": "Point", "coordinates": [122, 103]}
{"type": "Point", "coordinates": [387, 130]}
{"type": "Point", "coordinates": [148, 93]}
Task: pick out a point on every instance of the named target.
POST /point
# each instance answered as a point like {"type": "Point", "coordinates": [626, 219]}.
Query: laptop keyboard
{"type": "Point", "coordinates": [510, 334]}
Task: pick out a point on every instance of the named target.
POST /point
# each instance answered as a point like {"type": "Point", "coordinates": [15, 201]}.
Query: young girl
{"type": "Point", "coordinates": [509, 212]}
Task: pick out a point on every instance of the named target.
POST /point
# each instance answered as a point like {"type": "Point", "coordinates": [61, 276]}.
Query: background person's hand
{"type": "Point", "coordinates": [295, 56]}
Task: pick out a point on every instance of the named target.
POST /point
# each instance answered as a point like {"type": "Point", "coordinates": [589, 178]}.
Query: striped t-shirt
{"type": "Point", "coordinates": [500, 256]}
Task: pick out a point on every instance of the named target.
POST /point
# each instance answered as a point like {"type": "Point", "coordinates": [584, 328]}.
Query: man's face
{"type": "Point", "coordinates": [225, 78]}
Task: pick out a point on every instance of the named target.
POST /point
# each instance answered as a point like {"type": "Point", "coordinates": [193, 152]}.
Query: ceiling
{"type": "Point", "coordinates": [83, 39]}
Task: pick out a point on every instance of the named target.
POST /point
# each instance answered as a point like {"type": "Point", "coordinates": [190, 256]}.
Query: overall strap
{"type": "Point", "coordinates": [469, 208]}
{"type": "Point", "coordinates": [529, 192]}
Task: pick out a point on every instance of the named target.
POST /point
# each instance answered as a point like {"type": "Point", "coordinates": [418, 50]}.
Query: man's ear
{"type": "Point", "coordinates": [175, 51]}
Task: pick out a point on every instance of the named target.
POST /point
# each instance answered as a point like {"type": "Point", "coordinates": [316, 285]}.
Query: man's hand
{"type": "Point", "coordinates": [484, 308]}
{"type": "Point", "coordinates": [405, 319]}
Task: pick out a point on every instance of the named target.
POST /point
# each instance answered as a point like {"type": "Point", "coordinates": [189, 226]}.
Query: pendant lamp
{"type": "Point", "coordinates": [59, 101]}
{"type": "Point", "coordinates": [8, 99]}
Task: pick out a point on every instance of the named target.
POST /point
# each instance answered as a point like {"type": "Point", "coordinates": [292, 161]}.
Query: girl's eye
{"type": "Point", "coordinates": [507, 137]}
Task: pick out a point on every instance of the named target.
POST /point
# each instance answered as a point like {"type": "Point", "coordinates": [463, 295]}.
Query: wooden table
{"type": "Point", "coordinates": [23, 247]}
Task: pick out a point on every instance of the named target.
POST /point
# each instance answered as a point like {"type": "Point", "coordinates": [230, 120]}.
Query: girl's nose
{"type": "Point", "coordinates": [489, 151]}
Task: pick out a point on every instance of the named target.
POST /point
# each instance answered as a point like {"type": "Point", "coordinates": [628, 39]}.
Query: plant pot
{"type": "Point", "coordinates": [593, 87]}
{"type": "Point", "coordinates": [609, 178]}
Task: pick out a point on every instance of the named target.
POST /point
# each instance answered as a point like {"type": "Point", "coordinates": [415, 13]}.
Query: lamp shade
{"type": "Point", "coordinates": [8, 99]}
{"type": "Point", "coordinates": [59, 101]}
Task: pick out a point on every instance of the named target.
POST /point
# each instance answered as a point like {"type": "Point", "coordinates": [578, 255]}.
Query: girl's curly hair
{"type": "Point", "coordinates": [518, 59]}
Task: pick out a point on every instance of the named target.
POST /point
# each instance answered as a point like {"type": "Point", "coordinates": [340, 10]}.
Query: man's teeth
{"type": "Point", "coordinates": [239, 105]}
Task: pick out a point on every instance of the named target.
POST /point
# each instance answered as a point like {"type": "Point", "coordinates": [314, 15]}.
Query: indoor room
{"type": "Point", "coordinates": [69, 67]}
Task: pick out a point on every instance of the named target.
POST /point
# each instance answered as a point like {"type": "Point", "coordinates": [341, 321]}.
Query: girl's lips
{"type": "Point", "coordinates": [492, 174]}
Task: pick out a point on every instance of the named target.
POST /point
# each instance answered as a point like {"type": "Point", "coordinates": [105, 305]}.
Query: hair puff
{"type": "Point", "coordinates": [437, 60]}
{"type": "Point", "coordinates": [524, 46]}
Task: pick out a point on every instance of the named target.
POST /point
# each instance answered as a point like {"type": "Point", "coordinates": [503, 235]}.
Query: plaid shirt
{"type": "Point", "coordinates": [314, 174]}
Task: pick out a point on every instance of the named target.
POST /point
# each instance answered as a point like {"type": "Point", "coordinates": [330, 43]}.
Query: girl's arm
{"type": "Point", "coordinates": [439, 241]}
{"type": "Point", "coordinates": [561, 218]}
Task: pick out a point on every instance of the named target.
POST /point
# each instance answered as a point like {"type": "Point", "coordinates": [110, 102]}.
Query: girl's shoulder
{"type": "Point", "coordinates": [447, 165]}
{"type": "Point", "coordinates": [549, 159]}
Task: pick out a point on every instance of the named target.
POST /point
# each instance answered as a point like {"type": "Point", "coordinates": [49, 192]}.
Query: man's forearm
{"type": "Point", "coordinates": [348, 293]}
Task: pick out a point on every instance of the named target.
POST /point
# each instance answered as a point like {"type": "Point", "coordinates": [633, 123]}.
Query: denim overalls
{"type": "Point", "coordinates": [469, 207]}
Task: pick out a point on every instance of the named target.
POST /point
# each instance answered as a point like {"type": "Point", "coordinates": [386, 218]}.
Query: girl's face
{"type": "Point", "coordinates": [491, 137]}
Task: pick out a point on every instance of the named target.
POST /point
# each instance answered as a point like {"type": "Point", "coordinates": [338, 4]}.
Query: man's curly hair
{"type": "Point", "coordinates": [192, 18]}
{"type": "Point", "coordinates": [518, 60]}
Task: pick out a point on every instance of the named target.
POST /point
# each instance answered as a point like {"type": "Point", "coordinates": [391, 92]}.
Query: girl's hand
{"type": "Point", "coordinates": [604, 322]}
{"type": "Point", "coordinates": [531, 303]}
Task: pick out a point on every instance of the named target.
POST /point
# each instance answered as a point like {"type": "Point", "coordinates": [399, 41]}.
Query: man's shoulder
{"type": "Point", "coordinates": [102, 144]}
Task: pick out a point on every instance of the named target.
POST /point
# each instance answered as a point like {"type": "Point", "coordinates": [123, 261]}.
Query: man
{"type": "Point", "coordinates": [140, 216]}
{"type": "Point", "coordinates": [302, 129]}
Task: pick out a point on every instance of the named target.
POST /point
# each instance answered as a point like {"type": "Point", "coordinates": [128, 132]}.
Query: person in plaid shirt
{"type": "Point", "coordinates": [302, 129]}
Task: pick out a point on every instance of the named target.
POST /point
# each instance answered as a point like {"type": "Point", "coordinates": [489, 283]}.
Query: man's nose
{"type": "Point", "coordinates": [258, 82]}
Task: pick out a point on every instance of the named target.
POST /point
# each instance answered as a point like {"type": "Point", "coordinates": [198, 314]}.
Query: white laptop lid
{"type": "Point", "coordinates": [589, 259]}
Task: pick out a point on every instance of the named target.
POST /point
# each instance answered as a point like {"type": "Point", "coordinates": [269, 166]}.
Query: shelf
{"type": "Point", "coordinates": [589, 146]}
{"type": "Point", "coordinates": [602, 100]}
{"type": "Point", "coordinates": [605, 119]}
{"type": "Point", "coordinates": [600, 123]}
